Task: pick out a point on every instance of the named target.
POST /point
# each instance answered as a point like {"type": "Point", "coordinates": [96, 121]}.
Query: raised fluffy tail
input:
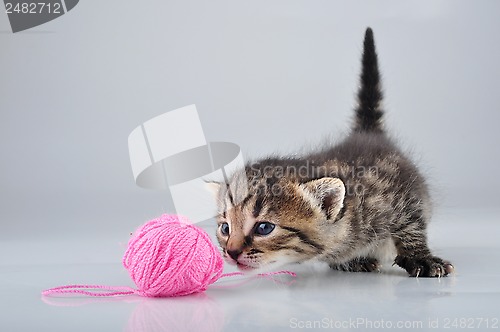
{"type": "Point", "coordinates": [368, 112]}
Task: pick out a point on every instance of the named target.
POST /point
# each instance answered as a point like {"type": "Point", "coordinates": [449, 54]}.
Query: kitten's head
{"type": "Point", "coordinates": [264, 222]}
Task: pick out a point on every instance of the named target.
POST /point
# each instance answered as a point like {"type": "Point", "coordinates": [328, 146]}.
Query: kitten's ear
{"type": "Point", "coordinates": [213, 187]}
{"type": "Point", "coordinates": [327, 193]}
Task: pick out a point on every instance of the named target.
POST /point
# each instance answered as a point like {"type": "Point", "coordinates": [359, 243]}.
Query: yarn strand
{"type": "Point", "coordinates": [105, 291]}
{"type": "Point", "coordinates": [85, 290]}
{"type": "Point", "coordinates": [267, 274]}
{"type": "Point", "coordinates": [165, 257]}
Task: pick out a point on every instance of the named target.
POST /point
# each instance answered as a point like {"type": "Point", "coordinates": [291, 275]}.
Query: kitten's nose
{"type": "Point", "coordinates": [234, 254]}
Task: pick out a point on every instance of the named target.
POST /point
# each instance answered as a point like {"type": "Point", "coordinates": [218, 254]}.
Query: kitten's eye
{"type": "Point", "coordinates": [264, 228]}
{"type": "Point", "coordinates": [224, 229]}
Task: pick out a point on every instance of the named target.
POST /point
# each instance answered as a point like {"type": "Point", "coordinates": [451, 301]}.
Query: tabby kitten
{"type": "Point", "coordinates": [347, 205]}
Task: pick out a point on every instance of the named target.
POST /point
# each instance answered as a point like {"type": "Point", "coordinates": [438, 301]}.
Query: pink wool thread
{"type": "Point", "coordinates": [165, 257]}
{"type": "Point", "coordinates": [170, 257]}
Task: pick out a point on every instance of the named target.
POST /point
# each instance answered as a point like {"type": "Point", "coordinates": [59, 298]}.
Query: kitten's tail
{"type": "Point", "coordinates": [369, 112]}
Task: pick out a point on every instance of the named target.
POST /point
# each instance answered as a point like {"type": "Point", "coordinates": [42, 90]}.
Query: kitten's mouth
{"type": "Point", "coordinates": [244, 267]}
{"type": "Point", "coordinates": [239, 265]}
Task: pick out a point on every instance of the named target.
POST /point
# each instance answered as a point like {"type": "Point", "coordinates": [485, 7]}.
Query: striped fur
{"type": "Point", "coordinates": [349, 204]}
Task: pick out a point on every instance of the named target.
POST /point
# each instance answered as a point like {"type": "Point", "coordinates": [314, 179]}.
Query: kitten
{"type": "Point", "coordinates": [344, 204]}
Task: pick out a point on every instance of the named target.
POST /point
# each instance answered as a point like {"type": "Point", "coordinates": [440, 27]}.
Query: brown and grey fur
{"type": "Point", "coordinates": [348, 205]}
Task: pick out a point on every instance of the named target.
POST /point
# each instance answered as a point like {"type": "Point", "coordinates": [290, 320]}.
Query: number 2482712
{"type": "Point", "coordinates": [33, 8]}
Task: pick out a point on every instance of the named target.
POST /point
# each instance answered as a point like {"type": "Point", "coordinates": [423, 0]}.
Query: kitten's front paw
{"type": "Point", "coordinates": [425, 267]}
{"type": "Point", "coordinates": [363, 264]}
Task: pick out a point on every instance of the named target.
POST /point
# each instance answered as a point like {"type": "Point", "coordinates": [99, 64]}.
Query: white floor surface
{"type": "Point", "coordinates": [317, 299]}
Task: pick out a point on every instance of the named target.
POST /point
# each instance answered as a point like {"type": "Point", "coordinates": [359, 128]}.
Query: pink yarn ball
{"type": "Point", "coordinates": [169, 256]}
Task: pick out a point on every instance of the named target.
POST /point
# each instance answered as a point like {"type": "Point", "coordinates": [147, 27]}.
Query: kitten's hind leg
{"type": "Point", "coordinates": [361, 264]}
{"type": "Point", "coordinates": [414, 255]}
